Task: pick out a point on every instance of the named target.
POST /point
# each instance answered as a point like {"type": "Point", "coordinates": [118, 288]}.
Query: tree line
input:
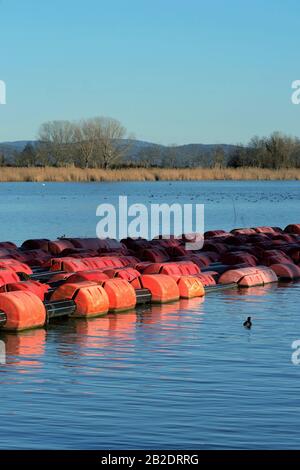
{"type": "Point", "coordinates": [104, 143]}
{"type": "Point", "coordinates": [275, 151]}
{"type": "Point", "coordinates": [89, 143]}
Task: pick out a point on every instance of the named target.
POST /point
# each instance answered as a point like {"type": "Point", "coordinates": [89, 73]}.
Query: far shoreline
{"type": "Point", "coordinates": [73, 174]}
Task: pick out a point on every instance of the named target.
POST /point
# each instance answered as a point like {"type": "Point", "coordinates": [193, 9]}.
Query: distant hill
{"type": "Point", "coordinates": [137, 145]}
{"type": "Point", "coordinates": [140, 150]}
{"type": "Point", "coordinates": [9, 148]}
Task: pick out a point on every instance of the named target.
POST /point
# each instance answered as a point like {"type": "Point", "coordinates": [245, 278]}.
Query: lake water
{"type": "Point", "coordinates": [183, 375]}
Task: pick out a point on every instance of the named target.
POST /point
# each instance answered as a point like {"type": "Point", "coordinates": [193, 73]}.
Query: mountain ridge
{"type": "Point", "coordinates": [135, 149]}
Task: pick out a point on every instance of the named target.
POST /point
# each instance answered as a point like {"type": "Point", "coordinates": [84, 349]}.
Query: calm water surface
{"type": "Point", "coordinates": [184, 375]}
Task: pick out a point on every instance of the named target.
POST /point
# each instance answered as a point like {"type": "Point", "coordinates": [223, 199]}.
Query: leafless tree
{"type": "Point", "coordinates": [280, 149]}
{"type": "Point", "coordinates": [57, 140]}
{"type": "Point", "coordinates": [109, 148]}
{"type": "Point", "coordinates": [86, 134]}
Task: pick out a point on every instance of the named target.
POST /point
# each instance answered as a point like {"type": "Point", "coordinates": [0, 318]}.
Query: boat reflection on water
{"type": "Point", "coordinates": [98, 336]}
{"type": "Point", "coordinates": [256, 291]}
{"type": "Point", "coordinates": [23, 350]}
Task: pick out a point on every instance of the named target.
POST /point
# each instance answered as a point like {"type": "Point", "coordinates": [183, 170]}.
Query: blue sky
{"type": "Point", "coordinates": [172, 71]}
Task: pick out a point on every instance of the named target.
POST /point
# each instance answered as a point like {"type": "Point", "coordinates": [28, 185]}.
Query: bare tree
{"type": "Point", "coordinates": [280, 149]}
{"type": "Point", "coordinates": [256, 153]}
{"type": "Point", "coordinates": [96, 142]}
{"type": "Point", "coordinates": [109, 148]}
{"type": "Point", "coordinates": [86, 134]}
{"type": "Point", "coordinates": [57, 140]}
{"type": "Point", "coordinates": [238, 156]}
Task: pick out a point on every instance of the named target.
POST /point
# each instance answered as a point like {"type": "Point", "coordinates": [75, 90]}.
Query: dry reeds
{"type": "Point", "coordinates": [72, 174]}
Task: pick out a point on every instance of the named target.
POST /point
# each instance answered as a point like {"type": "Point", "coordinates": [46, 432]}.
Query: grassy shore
{"type": "Point", "coordinates": [9, 174]}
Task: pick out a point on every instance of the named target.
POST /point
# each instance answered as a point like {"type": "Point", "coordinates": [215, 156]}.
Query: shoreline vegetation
{"type": "Point", "coordinates": [103, 143]}
{"type": "Point", "coordinates": [74, 174]}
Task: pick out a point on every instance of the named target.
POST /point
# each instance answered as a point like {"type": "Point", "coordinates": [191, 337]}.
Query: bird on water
{"type": "Point", "coordinates": [248, 323]}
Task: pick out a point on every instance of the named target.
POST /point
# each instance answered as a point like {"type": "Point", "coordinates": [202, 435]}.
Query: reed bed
{"type": "Point", "coordinates": [72, 174]}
